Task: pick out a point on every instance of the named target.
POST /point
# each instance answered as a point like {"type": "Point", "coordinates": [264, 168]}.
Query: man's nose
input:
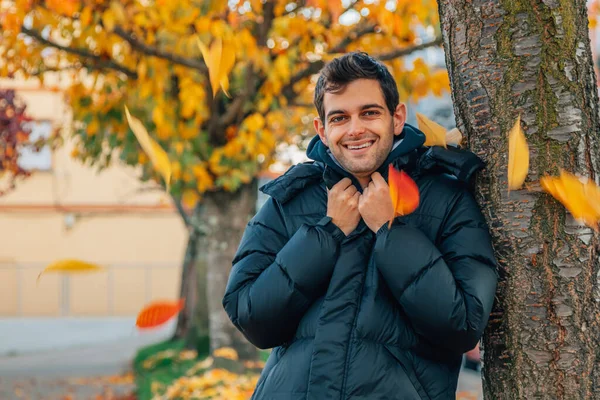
{"type": "Point", "coordinates": [357, 127]}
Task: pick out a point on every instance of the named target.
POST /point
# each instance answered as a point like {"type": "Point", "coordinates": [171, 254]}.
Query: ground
{"type": "Point", "coordinates": [101, 372]}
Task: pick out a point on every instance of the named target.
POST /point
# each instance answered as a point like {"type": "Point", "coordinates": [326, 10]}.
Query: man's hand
{"type": "Point", "coordinates": [375, 204]}
{"type": "Point", "coordinates": [342, 205]}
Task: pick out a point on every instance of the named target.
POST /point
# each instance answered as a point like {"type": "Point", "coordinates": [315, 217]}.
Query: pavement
{"type": "Point", "coordinates": [83, 360]}
{"type": "Point", "coordinates": [70, 359]}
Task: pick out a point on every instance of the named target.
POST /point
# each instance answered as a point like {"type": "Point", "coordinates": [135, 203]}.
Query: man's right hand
{"type": "Point", "coordinates": [342, 205]}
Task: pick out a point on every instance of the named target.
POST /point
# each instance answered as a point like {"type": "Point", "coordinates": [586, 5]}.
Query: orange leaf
{"type": "Point", "coordinates": [158, 312]}
{"type": "Point", "coordinates": [435, 134]}
{"type": "Point", "coordinates": [518, 156]}
{"type": "Point", "coordinates": [404, 192]}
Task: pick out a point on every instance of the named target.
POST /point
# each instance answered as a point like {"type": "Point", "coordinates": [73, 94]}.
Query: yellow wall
{"type": "Point", "coordinates": [71, 211]}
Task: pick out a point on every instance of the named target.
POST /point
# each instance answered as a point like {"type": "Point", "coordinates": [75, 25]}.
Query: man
{"type": "Point", "coordinates": [352, 308]}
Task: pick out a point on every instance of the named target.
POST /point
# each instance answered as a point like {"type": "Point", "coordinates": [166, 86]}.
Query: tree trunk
{"type": "Point", "coordinates": [533, 58]}
{"type": "Point", "coordinates": [192, 324]}
{"type": "Point", "coordinates": [227, 215]}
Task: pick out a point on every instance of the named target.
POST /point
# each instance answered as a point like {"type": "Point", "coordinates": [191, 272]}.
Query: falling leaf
{"type": "Point", "coordinates": [70, 266]}
{"type": "Point", "coordinates": [518, 156]}
{"type": "Point", "coordinates": [219, 59]}
{"type": "Point", "coordinates": [157, 155]}
{"type": "Point", "coordinates": [226, 352]}
{"type": "Point", "coordinates": [454, 137]}
{"type": "Point", "coordinates": [435, 134]}
{"type": "Point", "coordinates": [582, 200]}
{"type": "Point", "coordinates": [157, 313]}
{"type": "Point", "coordinates": [404, 192]}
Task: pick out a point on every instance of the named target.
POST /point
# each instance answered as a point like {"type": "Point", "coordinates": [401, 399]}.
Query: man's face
{"type": "Point", "coordinates": [358, 128]}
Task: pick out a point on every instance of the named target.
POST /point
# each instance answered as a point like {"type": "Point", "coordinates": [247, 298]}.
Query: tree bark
{"type": "Point", "coordinates": [227, 215]}
{"type": "Point", "coordinates": [532, 58]}
{"type": "Point", "coordinates": [192, 324]}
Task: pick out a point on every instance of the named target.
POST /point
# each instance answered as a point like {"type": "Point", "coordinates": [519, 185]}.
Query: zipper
{"type": "Point", "coordinates": [352, 330]}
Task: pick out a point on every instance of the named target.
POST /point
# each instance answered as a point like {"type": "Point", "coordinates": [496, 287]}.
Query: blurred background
{"type": "Point", "coordinates": [79, 187]}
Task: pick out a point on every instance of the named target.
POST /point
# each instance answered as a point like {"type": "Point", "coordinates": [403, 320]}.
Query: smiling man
{"type": "Point", "coordinates": [352, 308]}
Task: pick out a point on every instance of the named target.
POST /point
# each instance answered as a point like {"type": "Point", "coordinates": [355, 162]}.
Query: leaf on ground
{"type": "Point", "coordinates": [226, 352]}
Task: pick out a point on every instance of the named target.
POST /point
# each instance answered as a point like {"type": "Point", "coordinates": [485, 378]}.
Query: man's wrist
{"type": "Point", "coordinates": [326, 223]}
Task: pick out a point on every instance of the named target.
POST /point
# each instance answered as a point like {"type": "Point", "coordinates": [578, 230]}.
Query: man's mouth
{"type": "Point", "coordinates": [360, 146]}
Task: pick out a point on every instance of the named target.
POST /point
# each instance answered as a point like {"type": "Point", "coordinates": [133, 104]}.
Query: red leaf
{"type": "Point", "coordinates": [404, 192]}
{"type": "Point", "coordinates": [158, 312]}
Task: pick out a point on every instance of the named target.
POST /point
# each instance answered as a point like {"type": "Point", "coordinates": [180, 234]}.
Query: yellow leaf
{"type": "Point", "coordinates": [226, 352]}
{"type": "Point", "coordinates": [518, 156]}
{"type": "Point", "coordinates": [435, 134]}
{"type": "Point", "coordinates": [86, 16]}
{"type": "Point", "coordinates": [582, 200]}
{"type": "Point", "coordinates": [219, 60]}
{"type": "Point", "coordinates": [190, 198]}
{"type": "Point", "coordinates": [118, 11]}
{"type": "Point", "coordinates": [157, 155]}
{"type": "Point", "coordinates": [70, 266]}
{"type": "Point", "coordinates": [108, 20]}
{"type": "Point", "coordinates": [454, 137]}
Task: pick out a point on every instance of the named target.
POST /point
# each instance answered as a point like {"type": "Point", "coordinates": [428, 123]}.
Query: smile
{"type": "Point", "coordinates": [360, 146]}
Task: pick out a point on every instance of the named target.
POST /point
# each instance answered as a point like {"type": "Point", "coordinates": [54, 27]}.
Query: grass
{"type": "Point", "coordinates": [160, 364]}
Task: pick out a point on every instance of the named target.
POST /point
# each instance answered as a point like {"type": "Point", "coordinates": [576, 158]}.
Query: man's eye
{"type": "Point", "coordinates": [336, 119]}
{"type": "Point", "coordinates": [371, 112]}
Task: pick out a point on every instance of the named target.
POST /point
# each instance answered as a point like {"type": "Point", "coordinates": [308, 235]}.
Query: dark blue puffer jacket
{"type": "Point", "coordinates": [368, 316]}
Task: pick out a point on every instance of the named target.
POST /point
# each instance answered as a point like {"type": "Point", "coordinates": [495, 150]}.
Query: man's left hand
{"type": "Point", "coordinates": [375, 204]}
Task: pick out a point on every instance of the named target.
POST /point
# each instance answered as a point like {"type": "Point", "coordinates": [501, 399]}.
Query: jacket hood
{"type": "Point", "coordinates": [409, 140]}
{"type": "Point", "coordinates": [408, 153]}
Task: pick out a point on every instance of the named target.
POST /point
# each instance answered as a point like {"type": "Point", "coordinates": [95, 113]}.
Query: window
{"type": "Point", "coordinates": [29, 158]}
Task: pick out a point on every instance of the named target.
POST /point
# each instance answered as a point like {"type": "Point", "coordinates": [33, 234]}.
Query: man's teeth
{"type": "Point", "coordinates": [362, 146]}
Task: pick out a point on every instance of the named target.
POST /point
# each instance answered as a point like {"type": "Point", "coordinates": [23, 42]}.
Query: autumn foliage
{"type": "Point", "coordinates": [14, 134]}
{"type": "Point", "coordinates": [174, 63]}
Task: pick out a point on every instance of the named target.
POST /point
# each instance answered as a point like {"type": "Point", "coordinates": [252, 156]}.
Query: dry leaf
{"type": "Point", "coordinates": [582, 200]}
{"type": "Point", "coordinates": [518, 157]}
{"type": "Point", "coordinates": [157, 155]}
{"type": "Point", "coordinates": [435, 134]}
{"type": "Point", "coordinates": [219, 59]}
{"type": "Point", "coordinates": [70, 266]}
{"type": "Point", "coordinates": [454, 137]}
{"type": "Point", "coordinates": [157, 313]}
{"type": "Point", "coordinates": [404, 192]}
{"type": "Point", "coordinates": [226, 352]}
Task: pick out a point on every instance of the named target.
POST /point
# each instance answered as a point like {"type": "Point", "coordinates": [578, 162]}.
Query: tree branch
{"type": "Point", "coordinates": [152, 51]}
{"type": "Point", "coordinates": [101, 62]}
{"type": "Point", "coordinates": [352, 36]}
{"type": "Point", "coordinates": [184, 215]}
{"type": "Point", "coordinates": [265, 26]}
{"type": "Point", "coordinates": [407, 50]}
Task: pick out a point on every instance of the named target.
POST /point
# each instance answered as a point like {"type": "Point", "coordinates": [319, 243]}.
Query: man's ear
{"type": "Point", "coordinates": [399, 118]}
{"type": "Point", "coordinates": [320, 128]}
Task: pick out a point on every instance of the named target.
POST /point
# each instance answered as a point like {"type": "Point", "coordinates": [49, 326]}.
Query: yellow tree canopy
{"type": "Point", "coordinates": [216, 83]}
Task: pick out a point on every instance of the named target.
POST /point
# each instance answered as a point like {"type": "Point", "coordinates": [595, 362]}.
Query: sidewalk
{"type": "Point", "coordinates": [43, 359]}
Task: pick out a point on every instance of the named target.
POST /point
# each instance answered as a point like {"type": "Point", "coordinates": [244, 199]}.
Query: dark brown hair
{"type": "Point", "coordinates": [352, 66]}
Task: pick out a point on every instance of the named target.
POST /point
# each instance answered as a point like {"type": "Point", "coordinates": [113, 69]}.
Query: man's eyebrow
{"type": "Point", "coordinates": [363, 107]}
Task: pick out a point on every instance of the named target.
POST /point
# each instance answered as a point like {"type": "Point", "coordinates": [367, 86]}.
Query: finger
{"type": "Point", "coordinates": [378, 180]}
{"type": "Point", "coordinates": [365, 190]}
{"type": "Point", "coordinates": [351, 190]}
{"type": "Point", "coordinates": [342, 185]}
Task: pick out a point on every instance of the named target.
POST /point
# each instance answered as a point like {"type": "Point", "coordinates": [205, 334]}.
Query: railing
{"type": "Point", "coordinates": [14, 298]}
